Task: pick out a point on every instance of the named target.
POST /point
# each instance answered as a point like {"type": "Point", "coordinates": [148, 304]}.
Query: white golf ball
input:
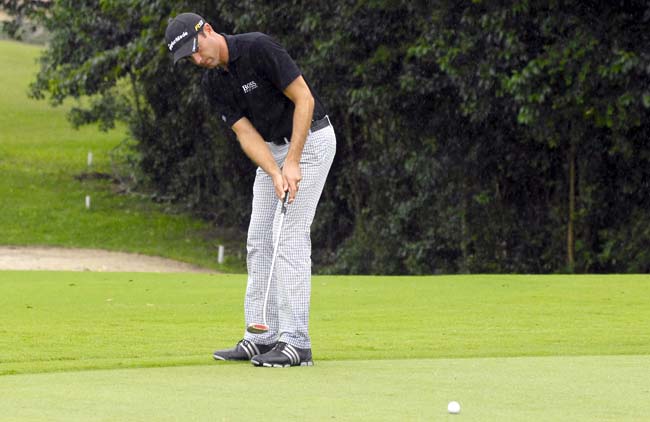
{"type": "Point", "coordinates": [453, 407]}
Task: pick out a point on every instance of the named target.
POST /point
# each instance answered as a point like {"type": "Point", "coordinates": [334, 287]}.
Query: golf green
{"type": "Point", "coordinates": [599, 388]}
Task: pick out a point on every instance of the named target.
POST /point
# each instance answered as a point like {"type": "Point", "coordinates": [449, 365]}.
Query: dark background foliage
{"type": "Point", "coordinates": [472, 136]}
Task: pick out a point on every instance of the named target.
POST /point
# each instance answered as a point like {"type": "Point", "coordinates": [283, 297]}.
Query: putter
{"type": "Point", "coordinates": [255, 327]}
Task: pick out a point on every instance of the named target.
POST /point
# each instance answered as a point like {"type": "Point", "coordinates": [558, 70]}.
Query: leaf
{"type": "Point", "coordinates": [646, 100]}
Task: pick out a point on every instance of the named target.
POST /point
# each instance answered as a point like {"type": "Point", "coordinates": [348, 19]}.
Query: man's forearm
{"type": "Point", "coordinates": [302, 115]}
{"type": "Point", "coordinates": [255, 148]}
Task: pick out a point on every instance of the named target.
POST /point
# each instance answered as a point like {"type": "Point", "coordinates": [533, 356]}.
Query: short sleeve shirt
{"type": "Point", "coordinates": [259, 69]}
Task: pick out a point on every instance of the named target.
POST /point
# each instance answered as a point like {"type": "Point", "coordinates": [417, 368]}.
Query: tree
{"type": "Point", "coordinates": [473, 136]}
{"type": "Point", "coordinates": [573, 75]}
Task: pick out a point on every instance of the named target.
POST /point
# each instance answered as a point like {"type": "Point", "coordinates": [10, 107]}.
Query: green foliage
{"type": "Point", "coordinates": [458, 123]}
{"type": "Point", "coordinates": [569, 78]}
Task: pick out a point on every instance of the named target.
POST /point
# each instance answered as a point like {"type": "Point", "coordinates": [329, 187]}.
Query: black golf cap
{"type": "Point", "coordinates": [182, 33]}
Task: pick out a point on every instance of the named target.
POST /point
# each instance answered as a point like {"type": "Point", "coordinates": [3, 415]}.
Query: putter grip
{"type": "Point", "coordinates": [284, 202]}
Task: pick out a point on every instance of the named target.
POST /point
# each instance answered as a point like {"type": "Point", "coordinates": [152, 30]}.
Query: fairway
{"type": "Point", "coordinates": [42, 163]}
{"type": "Point", "coordinates": [124, 346]}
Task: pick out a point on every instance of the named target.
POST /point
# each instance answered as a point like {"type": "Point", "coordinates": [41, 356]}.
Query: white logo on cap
{"type": "Point", "coordinates": [177, 39]}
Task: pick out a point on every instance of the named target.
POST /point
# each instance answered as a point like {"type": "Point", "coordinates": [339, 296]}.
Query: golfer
{"type": "Point", "coordinates": [257, 89]}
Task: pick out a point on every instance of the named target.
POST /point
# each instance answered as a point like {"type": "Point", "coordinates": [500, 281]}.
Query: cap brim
{"type": "Point", "coordinates": [185, 50]}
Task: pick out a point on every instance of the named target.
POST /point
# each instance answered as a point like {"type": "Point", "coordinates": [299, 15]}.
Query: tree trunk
{"type": "Point", "coordinates": [464, 241]}
{"type": "Point", "coordinates": [570, 237]}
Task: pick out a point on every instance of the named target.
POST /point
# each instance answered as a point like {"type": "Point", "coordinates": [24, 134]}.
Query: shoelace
{"type": "Point", "coordinates": [279, 346]}
{"type": "Point", "coordinates": [249, 347]}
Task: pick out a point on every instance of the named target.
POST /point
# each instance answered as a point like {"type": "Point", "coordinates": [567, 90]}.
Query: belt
{"type": "Point", "coordinates": [316, 125]}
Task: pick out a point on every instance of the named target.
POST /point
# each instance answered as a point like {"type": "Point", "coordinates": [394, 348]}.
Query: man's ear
{"type": "Point", "coordinates": [207, 28]}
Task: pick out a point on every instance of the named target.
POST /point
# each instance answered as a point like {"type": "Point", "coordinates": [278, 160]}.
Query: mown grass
{"type": "Point", "coordinates": [516, 348]}
{"type": "Point", "coordinates": [64, 321]}
{"type": "Point", "coordinates": [44, 204]}
{"type": "Point", "coordinates": [557, 388]}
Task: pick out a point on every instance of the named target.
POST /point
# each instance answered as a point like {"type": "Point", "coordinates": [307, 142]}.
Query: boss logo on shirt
{"type": "Point", "coordinates": [249, 87]}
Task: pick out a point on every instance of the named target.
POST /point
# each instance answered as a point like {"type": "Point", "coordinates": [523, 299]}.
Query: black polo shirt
{"type": "Point", "coordinates": [259, 69]}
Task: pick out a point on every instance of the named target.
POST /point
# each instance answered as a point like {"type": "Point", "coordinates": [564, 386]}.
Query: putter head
{"type": "Point", "coordinates": [255, 328]}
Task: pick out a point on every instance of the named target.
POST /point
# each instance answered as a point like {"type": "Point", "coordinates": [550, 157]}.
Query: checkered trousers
{"type": "Point", "coordinates": [289, 296]}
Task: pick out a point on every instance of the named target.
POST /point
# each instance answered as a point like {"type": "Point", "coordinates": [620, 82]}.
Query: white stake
{"type": "Point", "coordinates": [220, 255]}
{"type": "Point", "coordinates": [90, 159]}
{"type": "Point", "coordinates": [87, 202]}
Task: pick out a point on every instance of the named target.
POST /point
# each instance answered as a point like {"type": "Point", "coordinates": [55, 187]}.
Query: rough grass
{"type": "Point", "coordinates": [44, 200]}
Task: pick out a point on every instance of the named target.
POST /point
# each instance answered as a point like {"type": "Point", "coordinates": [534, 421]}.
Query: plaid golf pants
{"type": "Point", "coordinates": [289, 295]}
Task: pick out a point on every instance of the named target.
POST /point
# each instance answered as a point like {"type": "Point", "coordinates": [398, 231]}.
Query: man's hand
{"type": "Point", "coordinates": [292, 176]}
{"type": "Point", "coordinates": [280, 184]}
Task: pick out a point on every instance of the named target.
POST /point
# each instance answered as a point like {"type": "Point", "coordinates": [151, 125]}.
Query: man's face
{"type": "Point", "coordinates": [207, 54]}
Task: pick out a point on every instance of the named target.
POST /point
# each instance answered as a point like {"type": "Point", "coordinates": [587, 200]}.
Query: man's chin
{"type": "Point", "coordinates": [210, 64]}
